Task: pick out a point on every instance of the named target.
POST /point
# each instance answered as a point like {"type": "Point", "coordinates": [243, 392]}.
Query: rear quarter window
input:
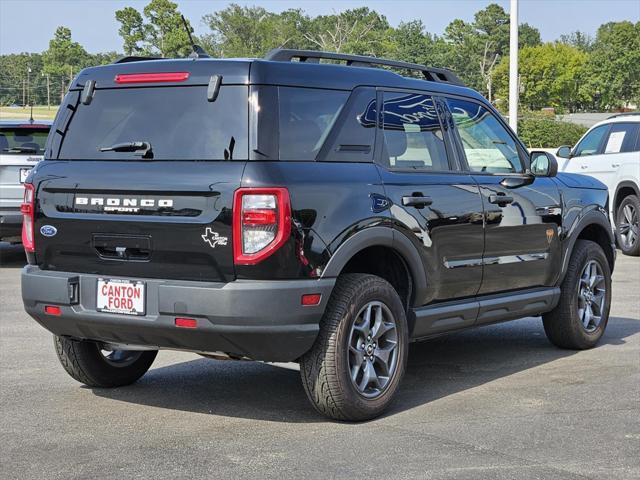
{"type": "Point", "coordinates": [306, 116]}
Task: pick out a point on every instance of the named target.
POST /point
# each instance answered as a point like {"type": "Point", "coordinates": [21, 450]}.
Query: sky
{"type": "Point", "coordinates": [28, 25]}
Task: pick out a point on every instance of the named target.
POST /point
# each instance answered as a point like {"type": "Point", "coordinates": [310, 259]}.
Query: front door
{"type": "Point", "coordinates": [434, 203]}
{"type": "Point", "coordinates": [522, 212]}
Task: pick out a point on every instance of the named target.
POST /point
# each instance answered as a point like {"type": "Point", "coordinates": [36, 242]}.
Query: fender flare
{"type": "Point", "coordinates": [589, 218]}
{"type": "Point", "coordinates": [621, 185]}
{"type": "Point", "coordinates": [381, 237]}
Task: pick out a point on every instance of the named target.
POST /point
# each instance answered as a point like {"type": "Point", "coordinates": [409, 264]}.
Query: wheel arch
{"type": "Point", "coordinates": [624, 189]}
{"type": "Point", "coordinates": [364, 251]}
{"type": "Point", "coordinates": [593, 226]}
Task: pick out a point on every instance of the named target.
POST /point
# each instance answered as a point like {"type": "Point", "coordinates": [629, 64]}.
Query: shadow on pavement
{"type": "Point", "coordinates": [12, 256]}
{"type": "Point", "coordinates": [436, 369]}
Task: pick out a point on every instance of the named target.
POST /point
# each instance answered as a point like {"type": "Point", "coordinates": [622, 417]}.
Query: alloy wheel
{"type": "Point", "coordinates": [629, 226]}
{"type": "Point", "coordinates": [373, 349]}
{"type": "Point", "coordinates": [592, 296]}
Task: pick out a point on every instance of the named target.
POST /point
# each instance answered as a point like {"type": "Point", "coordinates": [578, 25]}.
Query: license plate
{"type": "Point", "coordinates": [120, 296]}
{"type": "Point", "coordinates": [24, 173]}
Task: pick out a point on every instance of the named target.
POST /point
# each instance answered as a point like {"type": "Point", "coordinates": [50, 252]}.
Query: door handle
{"type": "Point", "coordinates": [500, 200]}
{"type": "Point", "coordinates": [416, 201]}
{"type": "Point", "coordinates": [583, 166]}
{"type": "Point", "coordinates": [615, 165]}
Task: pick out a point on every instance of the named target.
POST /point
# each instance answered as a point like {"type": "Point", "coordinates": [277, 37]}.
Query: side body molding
{"type": "Point", "coordinates": [383, 237]}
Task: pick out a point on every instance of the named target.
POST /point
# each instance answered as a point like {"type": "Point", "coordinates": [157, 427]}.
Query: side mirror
{"type": "Point", "coordinates": [543, 164]}
{"type": "Point", "coordinates": [564, 151]}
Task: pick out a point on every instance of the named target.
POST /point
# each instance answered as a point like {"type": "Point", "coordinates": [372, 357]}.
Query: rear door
{"type": "Point", "coordinates": [435, 204]}
{"type": "Point", "coordinates": [163, 211]}
{"type": "Point", "coordinates": [522, 213]}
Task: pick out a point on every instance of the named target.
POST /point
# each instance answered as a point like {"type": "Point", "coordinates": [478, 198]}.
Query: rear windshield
{"type": "Point", "coordinates": [21, 140]}
{"type": "Point", "coordinates": [178, 123]}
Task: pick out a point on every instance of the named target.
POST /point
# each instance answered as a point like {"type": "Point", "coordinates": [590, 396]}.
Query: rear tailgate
{"type": "Point", "coordinates": [137, 219]}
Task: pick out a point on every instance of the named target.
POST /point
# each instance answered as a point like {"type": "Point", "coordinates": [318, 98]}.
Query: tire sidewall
{"type": "Point", "coordinates": [384, 293]}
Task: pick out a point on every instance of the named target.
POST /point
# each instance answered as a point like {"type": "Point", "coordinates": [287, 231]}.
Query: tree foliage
{"type": "Point", "coordinates": [544, 131]}
{"type": "Point", "coordinates": [157, 31]}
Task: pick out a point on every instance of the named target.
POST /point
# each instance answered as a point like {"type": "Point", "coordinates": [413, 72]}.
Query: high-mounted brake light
{"type": "Point", "coordinates": [261, 223]}
{"type": "Point", "coordinates": [151, 77]}
{"type": "Point", "coordinates": [28, 213]}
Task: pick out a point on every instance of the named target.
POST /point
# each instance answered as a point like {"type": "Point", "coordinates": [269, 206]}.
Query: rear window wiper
{"type": "Point", "coordinates": [144, 147]}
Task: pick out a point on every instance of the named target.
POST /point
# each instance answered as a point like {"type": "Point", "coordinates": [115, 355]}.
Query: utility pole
{"type": "Point", "coordinates": [48, 94]}
{"type": "Point", "coordinates": [513, 66]}
{"type": "Point", "coordinates": [24, 92]}
{"type": "Point", "coordinates": [28, 85]}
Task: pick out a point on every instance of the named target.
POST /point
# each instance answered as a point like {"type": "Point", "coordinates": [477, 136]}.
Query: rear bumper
{"type": "Point", "coordinates": [262, 320]}
{"type": "Point", "coordinates": [10, 224]}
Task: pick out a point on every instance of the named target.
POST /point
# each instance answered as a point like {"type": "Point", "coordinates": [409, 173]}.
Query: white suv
{"type": "Point", "coordinates": [610, 152]}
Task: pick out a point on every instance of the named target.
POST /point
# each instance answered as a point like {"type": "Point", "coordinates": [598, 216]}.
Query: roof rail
{"type": "Point", "coordinates": [623, 114]}
{"type": "Point", "coordinates": [311, 56]}
{"type": "Point", "coordinates": [134, 58]}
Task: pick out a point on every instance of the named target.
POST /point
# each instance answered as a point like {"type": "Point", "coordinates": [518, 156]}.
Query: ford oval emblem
{"type": "Point", "coordinates": [48, 230]}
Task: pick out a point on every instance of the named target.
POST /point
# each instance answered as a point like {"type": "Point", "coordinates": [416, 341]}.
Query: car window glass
{"type": "Point", "coordinates": [590, 144]}
{"type": "Point", "coordinates": [177, 122]}
{"type": "Point", "coordinates": [23, 140]}
{"type": "Point", "coordinates": [488, 146]}
{"type": "Point", "coordinates": [356, 129]}
{"type": "Point", "coordinates": [621, 137]}
{"type": "Point", "coordinates": [306, 118]}
{"type": "Point", "coordinates": [412, 133]}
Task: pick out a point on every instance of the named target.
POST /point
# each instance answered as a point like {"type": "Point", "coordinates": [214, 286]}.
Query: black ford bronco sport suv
{"type": "Point", "coordinates": [309, 207]}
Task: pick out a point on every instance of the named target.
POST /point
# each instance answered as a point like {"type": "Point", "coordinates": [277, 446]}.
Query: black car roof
{"type": "Point", "coordinates": [241, 71]}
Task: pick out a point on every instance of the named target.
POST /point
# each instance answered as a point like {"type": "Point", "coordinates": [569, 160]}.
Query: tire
{"type": "Point", "coordinates": [338, 350]}
{"type": "Point", "coordinates": [568, 325]}
{"type": "Point", "coordinates": [86, 363]}
{"type": "Point", "coordinates": [628, 226]}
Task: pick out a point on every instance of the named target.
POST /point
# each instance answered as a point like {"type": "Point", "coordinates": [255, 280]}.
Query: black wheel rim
{"type": "Point", "coordinates": [373, 350]}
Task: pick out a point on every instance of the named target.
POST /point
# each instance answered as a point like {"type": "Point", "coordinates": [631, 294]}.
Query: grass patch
{"type": "Point", "coordinates": [20, 113]}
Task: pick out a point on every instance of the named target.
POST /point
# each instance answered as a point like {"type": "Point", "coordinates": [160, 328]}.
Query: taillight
{"type": "Point", "coordinates": [28, 212]}
{"type": "Point", "coordinates": [261, 223]}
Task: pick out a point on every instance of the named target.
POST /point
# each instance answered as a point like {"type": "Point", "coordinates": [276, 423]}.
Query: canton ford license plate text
{"type": "Point", "coordinates": [120, 296]}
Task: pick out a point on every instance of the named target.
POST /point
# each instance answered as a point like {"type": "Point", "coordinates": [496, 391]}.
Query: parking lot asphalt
{"type": "Point", "coordinates": [494, 402]}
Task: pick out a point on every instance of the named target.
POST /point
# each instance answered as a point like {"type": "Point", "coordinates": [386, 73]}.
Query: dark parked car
{"type": "Point", "coordinates": [21, 147]}
{"type": "Point", "coordinates": [290, 209]}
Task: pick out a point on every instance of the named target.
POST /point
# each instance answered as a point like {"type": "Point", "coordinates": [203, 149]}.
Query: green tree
{"type": "Point", "coordinates": [159, 32]}
{"type": "Point", "coordinates": [612, 77]}
{"type": "Point", "coordinates": [252, 31]}
{"type": "Point", "coordinates": [476, 48]}
{"type": "Point", "coordinates": [550, 76]}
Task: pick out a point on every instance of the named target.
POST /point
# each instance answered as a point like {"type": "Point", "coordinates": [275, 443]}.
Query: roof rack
{"type": "Point", "coordinates": [623, 114]}
{"type": "Point", "coordinates": [311, 56]}
{"type": "Point", "coordinates": [134, 58]}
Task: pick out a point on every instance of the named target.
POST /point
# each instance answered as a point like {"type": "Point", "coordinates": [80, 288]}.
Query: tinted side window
{"type": "Point", "coordinates": [590, 144]}
{"type": "Point", "coordinates": [305, 119]}
{"type": "Point", "coordinates": [354, 134]}
{"type": "Point", "coordinates": [412, 133]}
{"type": "Point", "coordinates": [488, 146]}
{"type": "Point", "coordinates": [621, 137]}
